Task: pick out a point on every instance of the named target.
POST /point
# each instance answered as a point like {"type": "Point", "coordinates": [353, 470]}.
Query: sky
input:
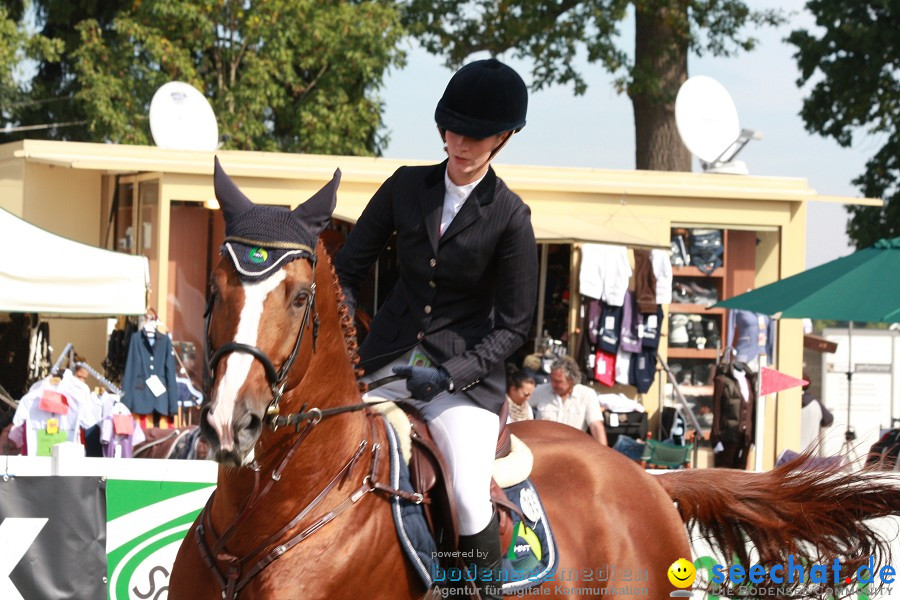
{"type": "Point", "coordinates": [596, 129]}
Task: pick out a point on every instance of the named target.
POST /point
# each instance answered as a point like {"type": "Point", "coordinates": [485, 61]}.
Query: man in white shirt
{"type": "Point", "coordinates": [564, 400]}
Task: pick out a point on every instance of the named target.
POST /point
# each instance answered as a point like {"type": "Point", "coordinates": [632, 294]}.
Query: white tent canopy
{"type": "Point", "coordinates": [44, 273]}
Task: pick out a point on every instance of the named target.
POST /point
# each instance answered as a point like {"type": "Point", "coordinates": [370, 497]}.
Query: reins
{"type": "Point", "coordinates": [232, 581]}
{"type": "Point", "coordinates": [231, 575]}
{"type": "Point", "coordinates": [275, 420]}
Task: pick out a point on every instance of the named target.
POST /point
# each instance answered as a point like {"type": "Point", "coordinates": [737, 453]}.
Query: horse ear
{"type": "Point", "coordinates": [315, 213]}
{"type": "Point", "coordinates": [232, 200]}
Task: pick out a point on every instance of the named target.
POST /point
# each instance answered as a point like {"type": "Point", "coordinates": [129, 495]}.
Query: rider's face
{"type": "Point", "coordinates": [468, 158]}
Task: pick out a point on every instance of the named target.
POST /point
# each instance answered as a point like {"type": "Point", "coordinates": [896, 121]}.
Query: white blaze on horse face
{"type": "Point", "coordinates": [238, 363]}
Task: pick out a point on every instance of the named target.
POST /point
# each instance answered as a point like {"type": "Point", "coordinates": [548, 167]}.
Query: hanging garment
{"type": "Point", "coordinates": [662, 270]}
{"type": "Point", "coordinates": [15, 343]}
{"type": "Point", "coordinates": [630, 336]}
{"type": "Point", "coordinates": [623, 367]}
{"type": "Point", "coordinates": [750, 334]}
{"type": "Point", "coordinates": [643, 370]}
{"type": "Point", "coordinates": [149, 384]}
{"type": "Point", "coordinates": [50, 413]}
{"type": "Point", "coordinates": [610, 328]}
{"type": "Point", "coordinates": [39, 361]}
{"type": "Point", "coordinates": [605, 272]}
{"type": "Point", "coordinates": [644, 281]}
{"type": "Point", "coordinates": [119, 433]}
{"type": "Point", "coordinates": [650, 329]}
{"type": "Point", "coordinates": [117, 351]}
{"type": "Point", "coordinates": [734, 414]}
{"type": "Point", "coordinates": [605, 368]}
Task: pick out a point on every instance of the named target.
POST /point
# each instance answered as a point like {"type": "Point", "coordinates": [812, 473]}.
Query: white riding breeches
{"type": "Point", "coordinates": [466, 434]}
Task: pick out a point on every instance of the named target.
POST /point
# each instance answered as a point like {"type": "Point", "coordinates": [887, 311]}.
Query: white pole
{"type": "Point", "coordinates": [759, 434]}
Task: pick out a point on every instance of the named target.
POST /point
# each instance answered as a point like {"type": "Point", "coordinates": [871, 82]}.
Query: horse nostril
{"type": "Point", "coordinates": [255, 425]}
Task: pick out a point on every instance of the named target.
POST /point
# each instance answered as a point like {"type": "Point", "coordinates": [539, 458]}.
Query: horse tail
{"type": "Point", "coordinates": [814, 515]}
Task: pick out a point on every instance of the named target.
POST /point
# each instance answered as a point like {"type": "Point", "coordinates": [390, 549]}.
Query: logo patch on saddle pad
{"type": "Point", "coordinates": [531, 558]}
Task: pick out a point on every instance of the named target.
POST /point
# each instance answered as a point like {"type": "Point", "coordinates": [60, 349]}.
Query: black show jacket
{"type": "Point", "coordinates": [467, 297]}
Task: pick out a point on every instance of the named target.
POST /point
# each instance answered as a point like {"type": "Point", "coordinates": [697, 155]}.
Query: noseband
{"type": "Point", "coordinates": [276, 378]}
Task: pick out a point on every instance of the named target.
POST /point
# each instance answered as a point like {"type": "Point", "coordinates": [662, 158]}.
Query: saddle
{"type": "Point", "coordinates": [429, 476]}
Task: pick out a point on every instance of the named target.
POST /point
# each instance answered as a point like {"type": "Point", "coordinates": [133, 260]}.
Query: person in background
{"type": "Point", "coordinates": [813, 418]}
{"type": "Point", "coordinates": [81, 374]}
{"type": "Point", "coordinates": [519, 388]}
{"type": "Point", "coordinates": [566, 400]}
{"type": "Point", "coordinates": [531, 365]}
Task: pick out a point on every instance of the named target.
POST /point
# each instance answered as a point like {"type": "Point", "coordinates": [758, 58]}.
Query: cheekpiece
{"type": "Point", "coordinates": [260, 239]}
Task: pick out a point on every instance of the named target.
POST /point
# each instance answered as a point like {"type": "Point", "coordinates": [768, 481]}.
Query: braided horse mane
{"type": "Point", "coordinates": [348, 327]}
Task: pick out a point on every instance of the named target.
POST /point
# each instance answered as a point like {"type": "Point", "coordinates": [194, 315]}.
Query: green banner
{"type": "Point", "coordinates": [146, 522]}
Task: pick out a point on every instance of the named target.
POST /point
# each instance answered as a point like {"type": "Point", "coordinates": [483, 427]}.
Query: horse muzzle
{"type": "Point", "coordinates": [231, 442]}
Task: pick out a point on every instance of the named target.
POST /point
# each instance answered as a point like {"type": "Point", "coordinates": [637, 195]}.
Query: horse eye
{"type": "Point", "coordinates": [301, 298]}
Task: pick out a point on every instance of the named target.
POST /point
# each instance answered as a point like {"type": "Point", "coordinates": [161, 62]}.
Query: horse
{"type": "Point", "coordinates": [172, 443]}
{"type": "Point", "coordinates": [301, 505]}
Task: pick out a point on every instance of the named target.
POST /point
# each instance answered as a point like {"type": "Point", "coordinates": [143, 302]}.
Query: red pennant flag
{"type": "Point", "coordinates": [775, 381]}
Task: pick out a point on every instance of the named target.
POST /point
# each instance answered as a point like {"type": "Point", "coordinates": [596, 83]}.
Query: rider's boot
{"type": "Point", "coordinates": [483, 551]}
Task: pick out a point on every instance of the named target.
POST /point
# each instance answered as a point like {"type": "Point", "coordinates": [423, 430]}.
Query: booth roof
{"type": "Point", "coordinates": [41, 272]}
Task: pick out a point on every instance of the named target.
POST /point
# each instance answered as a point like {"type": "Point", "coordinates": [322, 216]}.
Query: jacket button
{"type": "Point", "coordinates": [420, 335]}
{"type": "Point", "coordinates": [433, 262]}
{"type": "Point", "coordinates": [427, 309]}
{"type": "Point", "coordinates": [432, 284]}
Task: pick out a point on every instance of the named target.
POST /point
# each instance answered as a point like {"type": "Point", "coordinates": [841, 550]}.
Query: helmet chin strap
{"type": "Point", "coordinates": [499, 147]}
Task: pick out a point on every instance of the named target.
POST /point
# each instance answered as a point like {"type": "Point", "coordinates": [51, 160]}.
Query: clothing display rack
{"type": "Point", "coordinates": [109, 385]}
{"type": "Point", "coordinates": [69, 349]}
{"type": "Point", "coordinates": [695, 423]}
{"type": "Point", "coordinates": [69, 353]}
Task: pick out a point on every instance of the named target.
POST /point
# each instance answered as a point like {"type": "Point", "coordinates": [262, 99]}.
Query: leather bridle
{"type": "Point", "coordinates": [276, 378]}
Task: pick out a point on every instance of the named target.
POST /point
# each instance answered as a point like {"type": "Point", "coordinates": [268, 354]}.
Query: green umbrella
{"type": "Point", "coordinates": [864, 286]}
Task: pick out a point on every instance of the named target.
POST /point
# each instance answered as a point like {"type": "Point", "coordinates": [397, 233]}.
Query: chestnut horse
{"type": "Point", "coordinates": [300, 511]}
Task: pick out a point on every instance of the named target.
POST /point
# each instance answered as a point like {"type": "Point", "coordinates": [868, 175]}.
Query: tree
{"type": "Point", "coordinates": [51, 98]}
{"type": "Point", "coordinates": [294, 76]}
{"type": "Point", "coordinates": [553, 34]}
{"type": "Point", "coordinates": [856, 65]}
{"type": "Point", "coordinates": [16, 47]}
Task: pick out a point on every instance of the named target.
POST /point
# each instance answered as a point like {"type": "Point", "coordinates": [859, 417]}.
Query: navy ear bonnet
{"type": "Point", "coordinates": [260, 239]}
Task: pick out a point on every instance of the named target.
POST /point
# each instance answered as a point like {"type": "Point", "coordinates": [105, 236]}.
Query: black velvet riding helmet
{"type": "Point", "coordinates": [484, 98]}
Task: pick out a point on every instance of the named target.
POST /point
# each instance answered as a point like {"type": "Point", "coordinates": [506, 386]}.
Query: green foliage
{"type": "Point", "coordinates": [855, 64]}
{"type": "Point", "coordinates": [294, 76]}
{"type": "Point", "coordinates": [553, 34]}
{"type": "Point", "coordinates": [18, 45]}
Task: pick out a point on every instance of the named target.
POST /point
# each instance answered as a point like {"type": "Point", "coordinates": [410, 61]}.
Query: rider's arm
{"type": "Point", "coordinates": [515, 295]}
{"type": "Point", "coordinates": [366, 241]}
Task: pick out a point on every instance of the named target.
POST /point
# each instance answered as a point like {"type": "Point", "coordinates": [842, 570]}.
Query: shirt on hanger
{"type": "Point", "coordinates": [605, 272]}
{"type": "Point", "coordinates": [37, 430]}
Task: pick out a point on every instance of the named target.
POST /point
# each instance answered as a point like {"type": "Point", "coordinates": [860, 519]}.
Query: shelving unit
{"type": "Point", "coordinates": [694, 366]}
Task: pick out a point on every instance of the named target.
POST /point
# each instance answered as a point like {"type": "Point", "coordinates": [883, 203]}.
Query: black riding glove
{"type": "Point", "coordinates": [424, 383]}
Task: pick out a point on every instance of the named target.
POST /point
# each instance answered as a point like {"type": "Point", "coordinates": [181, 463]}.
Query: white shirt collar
{"type": "Point", "coordinates": [454, 198]}
{"type": "Point", "coordinates": [459, 191]}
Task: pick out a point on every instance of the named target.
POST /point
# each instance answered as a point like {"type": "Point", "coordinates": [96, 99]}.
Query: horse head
{"type": "Point", "coordinates": [261, 319]}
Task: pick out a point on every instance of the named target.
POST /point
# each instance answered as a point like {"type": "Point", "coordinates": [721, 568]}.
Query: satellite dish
{"type": "Point", "coordinates": [706, 117]}
{"type": "Point", "coordinates": [181, 118]}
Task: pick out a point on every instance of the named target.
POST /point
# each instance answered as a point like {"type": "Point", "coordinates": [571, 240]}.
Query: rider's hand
{"type": "Point", "coordinates": [424, 383]}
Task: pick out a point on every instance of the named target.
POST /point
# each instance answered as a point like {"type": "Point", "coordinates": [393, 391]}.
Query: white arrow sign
{"type": "Point", "coordinates": [17, 536]}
